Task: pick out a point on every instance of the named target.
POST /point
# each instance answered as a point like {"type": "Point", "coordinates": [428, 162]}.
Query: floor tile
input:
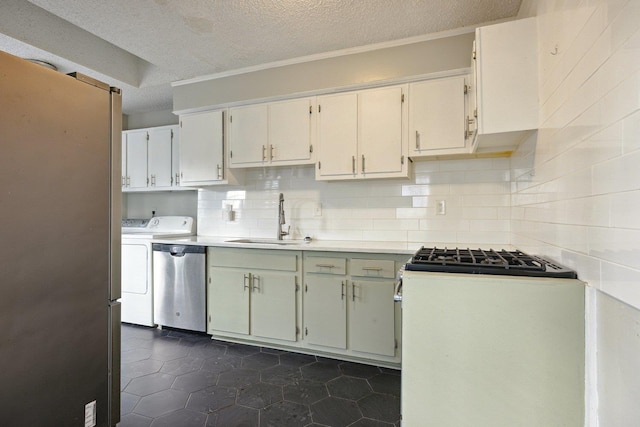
{"type": "Point", "coordinates": [212, 399]}
{"type": "Point", "coordinates": [259, 395]}
{"type": "Point", "coordinates": [285, 414]}
{"type": "Point", "coordinates": [150, 384]}
{"type": "Point", "coordinates": [161, 403]}
{"type": "Point", "coordinates": [224, 384]}
{"type": "Point", "coordinates": [237, 416]}
{"type": "Point", "coordinates": [335, 412]}
{"type": "Point", "coordinates": [181, 418]}
{"type": "Point", "coordinates": [383, 407]}
{"type": "Point", "coordinates": [349, 388]}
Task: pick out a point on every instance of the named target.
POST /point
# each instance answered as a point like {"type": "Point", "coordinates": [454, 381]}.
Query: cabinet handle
{"type": "Point", "coordinates": [177, 178]}
{"type": "Point", "coordinates": [128, 181]}
{"type": "Point", "coordinates": [417, 140]}
{"type": "Point", "coordinates": [255, 282]}
{"type": "Point", "coordinates": [264, 153]}
{"type": "Point", "coordinates": [123, 181]}
{"type": "Point", "coordinates": [343, 294]}
{"type": "Point", "coordinates": [353, 164]}
{"type": "Point", "coordinates": [219, 172]}
{"type": "Point", "coordinates": [325, 265]}
{"type": "Point", "coordinates": [271, 148]}
{"type": "Point", "coordinates": [247, 281]}
{"type": "Point", "coordinates": [353, 292]}
{"type": "Point", "coordinates": [363, 163]}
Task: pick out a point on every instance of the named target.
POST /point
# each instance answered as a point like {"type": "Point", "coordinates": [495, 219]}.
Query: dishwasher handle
{"type": "Point", "coordinates": [178, 250]}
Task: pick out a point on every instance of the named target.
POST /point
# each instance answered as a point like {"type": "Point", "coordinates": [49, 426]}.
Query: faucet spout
{"type": "Point", "coordinates": [281, 218]}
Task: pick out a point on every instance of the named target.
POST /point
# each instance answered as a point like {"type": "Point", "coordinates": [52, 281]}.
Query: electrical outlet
{"type": "Point", "coordinates": [317, 209]}
{"type": "Point", "coordinates": [441, 207]}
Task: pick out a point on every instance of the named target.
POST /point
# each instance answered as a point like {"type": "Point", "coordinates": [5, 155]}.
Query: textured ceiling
{"type": "Point", "coordinates": [143, 45]}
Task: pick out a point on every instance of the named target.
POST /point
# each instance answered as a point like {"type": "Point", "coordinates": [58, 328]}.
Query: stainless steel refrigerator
{"type": "Point", "coordinates": [59, 248]}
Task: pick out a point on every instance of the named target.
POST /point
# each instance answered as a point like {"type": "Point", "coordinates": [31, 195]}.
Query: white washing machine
{"type": "Point", "coordinates": [137, 262]}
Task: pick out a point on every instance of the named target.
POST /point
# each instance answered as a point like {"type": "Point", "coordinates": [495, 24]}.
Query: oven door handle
{"type": "Point", "coordinates": [397, 291]}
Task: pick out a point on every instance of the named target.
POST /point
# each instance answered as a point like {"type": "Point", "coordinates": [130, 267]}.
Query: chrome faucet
{"type": "Point", "coordinates": [281, 220]}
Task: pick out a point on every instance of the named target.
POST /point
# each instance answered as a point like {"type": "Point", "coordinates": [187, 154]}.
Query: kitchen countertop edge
{"type": "Point", "coordinates": [315, 245]}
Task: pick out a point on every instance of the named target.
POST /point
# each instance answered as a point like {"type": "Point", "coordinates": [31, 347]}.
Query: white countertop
{"type": "Point", "coordinates": [298, 245]}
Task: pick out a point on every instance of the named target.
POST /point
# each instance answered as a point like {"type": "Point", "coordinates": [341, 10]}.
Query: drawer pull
{"type": "Point", "coordinates": [372, 268]}
{"type": "Point", "coordinates": [343, 294]}
{"type": "Point", "coordinates": [325, 265]}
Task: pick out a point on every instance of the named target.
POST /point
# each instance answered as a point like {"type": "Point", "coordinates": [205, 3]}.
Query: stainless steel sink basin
{"type": "Point", "coordinates": [266, 241]}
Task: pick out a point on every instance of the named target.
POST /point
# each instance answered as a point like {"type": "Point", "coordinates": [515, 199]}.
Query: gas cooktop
{"type": "Point", "coordinates": [479, 261]}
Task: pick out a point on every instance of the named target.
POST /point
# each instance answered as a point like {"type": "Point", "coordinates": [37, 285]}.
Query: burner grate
{"type": "Point", "coordinates": [480, 261]}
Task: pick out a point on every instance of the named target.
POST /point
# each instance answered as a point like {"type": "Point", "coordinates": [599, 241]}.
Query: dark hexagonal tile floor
{"type": "Point", "coordinates": [178, 378]}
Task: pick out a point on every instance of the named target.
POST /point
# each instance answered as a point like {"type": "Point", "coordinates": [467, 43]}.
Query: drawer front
{"type": "Point", "coordinates": [381, 268]}
{"type": "Point", "coordinates": [325, 265]}
{"type": "Point", "coordinates": [254, 259]}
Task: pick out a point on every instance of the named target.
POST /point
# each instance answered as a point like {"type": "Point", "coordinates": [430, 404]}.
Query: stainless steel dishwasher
{"type": "Point", "coordinates": [179, 288]}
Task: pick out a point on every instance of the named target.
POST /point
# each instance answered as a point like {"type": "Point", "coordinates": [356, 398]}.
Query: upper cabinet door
{"type": "Point", "coordinates": [248, 136]}
{"type": "Point", "coordinates": [380, 129]}
{"type": "Point", "coordinates": [437, 116]}
{"type": "Point", "coordinates": [290, 131]}
{"type": "Point", "coordinates": [159, 160]}
{"type": "Point", "coordinates": [201, 148]}
{"type": "Point", "coordinates": [337, 136]}
{"type": "Point", "coordinates": [137, 159]}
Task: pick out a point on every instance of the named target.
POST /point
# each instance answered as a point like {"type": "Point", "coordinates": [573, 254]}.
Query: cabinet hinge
{"type": "Point", "coordinates": [311, 148]}
{"type": "Point", "coordinates": [402, 98]}
{"type": "Point", "coordinates": [319, 166]}
{"type": "Point", "coordinates": [466, 89]}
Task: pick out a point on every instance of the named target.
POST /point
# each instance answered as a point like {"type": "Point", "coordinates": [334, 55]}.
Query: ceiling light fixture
{"type": "Point", "coordinates": [43, 63]}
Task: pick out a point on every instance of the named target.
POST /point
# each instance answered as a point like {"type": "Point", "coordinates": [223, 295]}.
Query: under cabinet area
{"type": "Point", "coordinates": [253, 294]}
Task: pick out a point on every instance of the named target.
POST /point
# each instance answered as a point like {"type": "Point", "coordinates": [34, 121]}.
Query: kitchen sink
{"type": "Point", "coordinates": [266, 241]}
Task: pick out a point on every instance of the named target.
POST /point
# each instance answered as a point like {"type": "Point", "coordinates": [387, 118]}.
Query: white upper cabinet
{"type": "Point", "coordinates": [291, 126]}
{"type": "Point", "coordinates": [437, 117]}
{"type": "Point", "coordinates": [136, 151]}
{"type": "Point", "coordinates": [337, 136]}
{"type": "Point", "coordinates": [248, 135]}
{"type": "Point", "coordinates": [362, 134]}
{"type": "Point", "coordinates": [272, 134]}
{"type": "Point", "coordinates": [149, 159]}
{"type": "Point", "coordinates": [202, 149]}
{"type": "Point", "coordinates": [506, 72]}
{"type": "Point", "coordinates": [159, 157]}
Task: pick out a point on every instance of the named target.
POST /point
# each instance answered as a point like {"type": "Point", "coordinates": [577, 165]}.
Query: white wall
{"type": "Point", "coordinates": [476, 192]}
{"type": "Point", "coordinates": [576, 194]}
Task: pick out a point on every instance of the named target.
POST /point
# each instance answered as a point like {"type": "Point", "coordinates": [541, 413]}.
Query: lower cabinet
{"type": "Point", "coordinates": [348, 304]}
{"type": "Point", "coordinates": [253, 293]}
{"type": "Point", "coordinates": [343, 308]}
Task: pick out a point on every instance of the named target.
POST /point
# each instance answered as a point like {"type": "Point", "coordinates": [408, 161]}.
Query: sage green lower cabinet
{"type": "Point", "coordinates": [371, 317]}
{"type": "Point", "coordinates": [348, 306]}
{"type": "Point", "coordinates": [253, 294]}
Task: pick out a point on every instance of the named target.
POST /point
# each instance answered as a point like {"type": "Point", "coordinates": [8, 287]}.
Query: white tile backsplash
{"type": "Point", "coordinates": [385, 210]}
